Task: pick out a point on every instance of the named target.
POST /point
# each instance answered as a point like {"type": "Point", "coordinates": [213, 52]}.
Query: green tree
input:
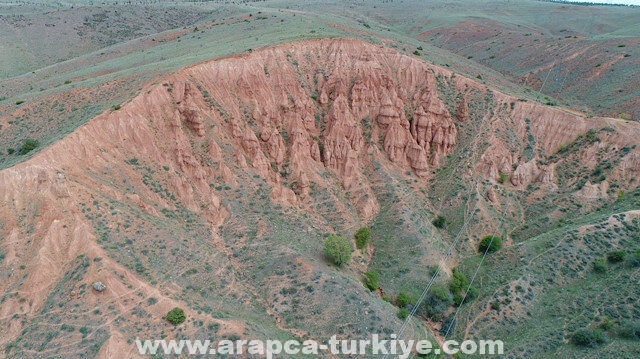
{"type": "Point", "coordinates": [176, 316]}
{"type": "Point", "coordinates": [439, 222]}
{"type": "Point", "coordinates": [371, 279]}
{"type": "Point", "coordinates": [616, 256]}
{"type": "Point", "coordinates": [337, 249]}
{"type": "Point", "coordinates": [362, 237]}
{"type": "Point", "coordinates": [492, 243]}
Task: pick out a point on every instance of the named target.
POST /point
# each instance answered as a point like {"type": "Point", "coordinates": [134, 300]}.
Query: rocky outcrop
{"type": "Point", "coordinates": [462, 110]}
{"type": "Point", "coordinates": [190, 111]}
{"type": "Point", "coordinates": [593, 190]}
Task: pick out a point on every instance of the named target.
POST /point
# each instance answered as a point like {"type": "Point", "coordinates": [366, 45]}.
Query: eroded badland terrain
{"type": "Point", "coordinates": [213, 185]}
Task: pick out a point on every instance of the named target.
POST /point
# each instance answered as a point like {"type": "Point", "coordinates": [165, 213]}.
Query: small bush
{"type": "Point", "coordinates": [403, 313]}
{"type": "Point", "coordinates": [634, 260]}
{"type": "Point", "coordinates": [403, 299]}
{"type": "Point", "coordinates": [371, 280]}
{"type": "Point", "coordinates": [440, 222]}
{"type": "Point", "coordinates": [495, 305]}
{"type": "Point", "coordinates": [471, 295]}
{"type": "Point", "coordinates": [176, 316]}
{"type": "Point", "coordinates": [616, 256]}
{"type": "Point", "coordinates": [490, 244]}
{"type": "Point", "coordinates": [630, 330]}
{"type": "Point", "coordinates": [28, 145]}
{"type": "Point", "coordinates": [502, 177]}
{"type": "Point", "coordinates": [458, 281]}
{"type": "Point", "coordinates": [67, 328]}
{"type": "Point", "coordinates": [10, 150]}
{"type": "Point", "coordinates": [600, 265]}
{"type": "Point", "coordinates": [590, 338]}
{"type": "Point", "coordinates": [437, 302]}
{"type": "Point", "coordinates": [19, 102]}
{"type": "Point", "coordinates": [417, 53]}
{"type": "Point", "coordinates": [362, 237]}
{"type": "Point", "coordinates": [337, 249]}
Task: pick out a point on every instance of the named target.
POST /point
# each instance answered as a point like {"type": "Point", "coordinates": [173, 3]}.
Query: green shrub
{"type": "Point", "coordinates": [495, 305]}
{"type": "Point", "coordinates": [67, 328]}
{"type": "Point", "coordinates": [471, 295]}
{"type": "Point", "coordinates": [600, 265]}
{"type": "Point", "coordinates": [403, 299]}
{"type": "Point", "coordinates": [634, 260]}
{"type": "Point", "coordinates": [176, 316]}
{"type": "Point", "coordinates": [371, 280]}
{"type": "Point", "coordinates": [439, 222]}
{"type": "Point", "coordinates": [459, 281]}
{"type": "Point", "coordinates": [590, 338]}
{"type": "Point", "coordinates": [457, 299]}
{"type": "Point", "coordinates": [490, 244]}
{"type": "Point", "coordinates": [630, 330]}
{"type": "Point", "coordinates": [10, 150]}
{"type": "Point", "coordinates": [28, 145]}
{"type": "Point", "coordinates": [403, 313]}
{"type": "Point", "coordinates": [616, 256]}
{"type": "Point", "coordinates": [337, 249]}
{"type": "Point", "coordinates": [502, 177]}
{"type": "Point", "coordinates": [437, 301]}
{"type": "Point", "coordinates": [362, 237]}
